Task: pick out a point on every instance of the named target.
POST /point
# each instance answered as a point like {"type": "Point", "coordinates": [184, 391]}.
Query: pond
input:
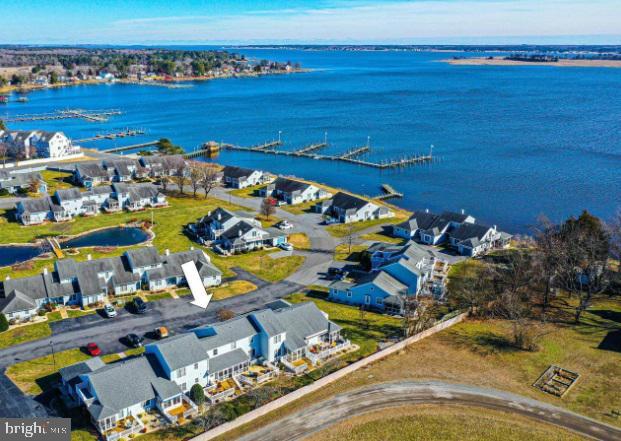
{"type": "Point", "coordinates": [110, 237]}
{"type": "Point", "coordinates": [10, 255]}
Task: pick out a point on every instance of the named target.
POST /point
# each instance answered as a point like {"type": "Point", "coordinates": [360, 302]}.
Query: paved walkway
{"type": "Point", "coordinates": [342, 407]}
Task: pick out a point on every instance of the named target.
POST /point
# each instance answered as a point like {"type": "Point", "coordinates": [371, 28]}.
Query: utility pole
{"type": "Point", "coordinates": [53, 354]}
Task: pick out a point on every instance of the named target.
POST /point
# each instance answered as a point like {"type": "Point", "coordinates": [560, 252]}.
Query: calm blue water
{"type": "Point", "coordinates": [513, 142]}
{"type": "Point", "coordinates": [10, 255]}
{"type": "Point", "coordinates": [111, 237]}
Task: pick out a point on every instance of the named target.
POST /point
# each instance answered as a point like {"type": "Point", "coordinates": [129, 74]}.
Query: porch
{"type": "Point", "coordinates": [123, 428]}
{"type": "Point", "coordinates": [220, 390]}
{"type": "Point", "coordinates": [256, 375]}
{"type": "Point", "coordinates": [320, 352]}
{"type": "Point", "coordinates": [296, 365]}
{"type": "Point", "coordinates": [181, 412]}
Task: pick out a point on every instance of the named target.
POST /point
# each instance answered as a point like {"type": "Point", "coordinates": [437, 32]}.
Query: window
{"type": "Point", "coordinates": [215, 352]}
{"type": "Point", "coordinates": [348, 293]}
{"type": "Point", "coordinates": [195, 366]}
{"type": "Point", "coordinates": [367, 300]}
{"type": "Point", "coordinates": [183, 387]}
{"type": "Point", "coordinates": [233, 345]}
{"type": "Point", "coordinates": [196, 380]}
{"type": "Point", "coordinates": [277, 338]}
{"type": "Point", "coordinates": [180, 372]}
{"type": "Point", "coordinates": [379, 301]}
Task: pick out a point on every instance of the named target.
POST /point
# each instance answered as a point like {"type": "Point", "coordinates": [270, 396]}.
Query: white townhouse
{"type": "Point", "coordinates": [293, 192]}
{"type": "Point", "coordinates": [346, 208]}
{"type": "Point", "coordinates": [116, 395]}
{"type": "Point", "coordinates": [238, 177]}
{"type": "Point", "coordinates": [30, 144]}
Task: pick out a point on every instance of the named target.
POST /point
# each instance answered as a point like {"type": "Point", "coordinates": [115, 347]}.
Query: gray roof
{"type": "Point", "coordinates": [37, 205]}
{"type": "Point", "coordinates": [345, 201]}
{"type": "Point", "coordinates": [68, 194]}
{"type": "Point", "coordinates": [91, 170]}
{"type": "Point", "coordinates": [10, 180]}
{"type": "Point", "coordinates": [287, 185]}
{"type": "Point", "coordinates": [237, 230]}
{"type": "Point", "coordinates": [226, 332]}
{"type": "Point", "coordinates": [388, 284]}
{"type": "Point", "coordinates": [16, 301]}
{"type": "Point", "coordinates": [143, 256]}
{"type": "Point", "coordinates": [237, 172]}
{"type": "Point", "coordinates": [227, 360]}
{"type": "Point", "coordinates": [181, 350]}
{"type": "Point", "coordinates": [304, 320]}
{"type": "Point", "coordinates": [470, 231]}
{"type": "Point", "coordinates": [268, 321]}
{"type": "Point", "coordinates": [70, 372]}
{"type": "Point", "coordinates": [165, 389]}
{"type": "Point", "coordinates": [123, 384]}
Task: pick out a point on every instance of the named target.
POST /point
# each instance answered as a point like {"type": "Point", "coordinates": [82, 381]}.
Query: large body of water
{"type": "Point", "coordinates": [512, 142]}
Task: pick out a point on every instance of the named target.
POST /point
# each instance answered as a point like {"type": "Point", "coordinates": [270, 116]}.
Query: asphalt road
{"type": "Point", "coordinates": [382, 396]}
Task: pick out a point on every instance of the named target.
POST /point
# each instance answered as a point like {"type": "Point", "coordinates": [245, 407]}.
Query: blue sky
{"type": "Point", "coordinates": [304, 21]}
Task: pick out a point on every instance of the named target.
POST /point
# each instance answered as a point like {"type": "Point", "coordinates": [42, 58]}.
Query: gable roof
{"type": "Point", "coordinates": [225, 332]}
{"type": "Point", "coordinates": [16, 301]}
{"type": "Point", "coordinates": [287, 185]}
{"type": "Point", "coordinates": [68, 194]}
{"type": "Point", "coordinates": [227, 360]}
{"type": "Point", "coordinates": [181, 350]}
{"type": "Point", "coordinates": [91, 170]}
{"type": "Point", "coordinates": [38, 205]}
{"type": "Point", "coordinates": [69, 373]}
{"type": "Point", "coordinates": [388, 284]}
{"type": "Point", "coordinates": [237, 172]}
{"type": "Point", "coordinates": [143, 256]}
{"type": "Point", "coordinates": [301, 321]}
{"type": "Point", "coordinates": [470, 231]}
{"type": "Point", "coordinates": [346, 201]}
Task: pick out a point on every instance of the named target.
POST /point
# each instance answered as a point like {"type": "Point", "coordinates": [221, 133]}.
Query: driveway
{"type": "Point", "coordinates": [378, 397]}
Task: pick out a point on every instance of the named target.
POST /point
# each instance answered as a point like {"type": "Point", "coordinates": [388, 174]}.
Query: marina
{"type": "Point", "coordinates": [112, 135]}
{"type": "Point", "coordinates": [130, 147]}
{"type": "Point", "coordinates": [87, 115]}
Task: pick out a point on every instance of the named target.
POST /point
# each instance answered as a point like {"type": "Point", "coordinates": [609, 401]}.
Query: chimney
{"type": "Point", "coordinates": [167, 252]}
{"type": "Point", "coordinates": [463, 211]}
{"type": "Point", "coordinates": [89, 257]}
{"type": "Point", "coordinates": [239, 233]}
{"type": "Point", "coordinates": [219, 216]}
{"type": "Point", "coordinates": [45, 271]}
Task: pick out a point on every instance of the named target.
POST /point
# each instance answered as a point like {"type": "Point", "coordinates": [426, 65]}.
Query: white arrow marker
{"type": "Point", "coordinates": [201, 298]}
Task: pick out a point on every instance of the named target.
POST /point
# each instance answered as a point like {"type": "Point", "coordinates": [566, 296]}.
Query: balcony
{"type": "Point", "coordinates": [298, 366]}
{"type": "Point", "coordinates": [123, 429]}
{"type": "Point", "coordinates": [220, 391]}
{"type": "Point", "coordinates": [320, 352]}
{"type": "Point", "coordinates": [181, 413]}
{"type": "Point", "coordinates": [256, 375]}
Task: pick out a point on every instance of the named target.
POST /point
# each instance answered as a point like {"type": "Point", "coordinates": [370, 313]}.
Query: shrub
{"type": "Point", "coordinates": [225, 314]}
{"type": "Point", "coordinates": [4, 324]}
{"type": "Point", "coordinates": [197, 394]}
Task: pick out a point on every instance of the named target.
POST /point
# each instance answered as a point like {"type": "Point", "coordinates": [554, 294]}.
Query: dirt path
{"type": "Point", "coordinates": [344, 406]}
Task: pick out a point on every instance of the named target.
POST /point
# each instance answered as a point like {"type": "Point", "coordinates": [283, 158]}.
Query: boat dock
{"type": "Point", "coordinates": [88, 115]}
{"type": "Point", "coordinates": [389, 192]}
{"type": "Point", "coordinates": [350, 156]}
{"type": "Point", "coordinates": [122, 134]}
{"type": "Point", "coordinates": [130, 147]}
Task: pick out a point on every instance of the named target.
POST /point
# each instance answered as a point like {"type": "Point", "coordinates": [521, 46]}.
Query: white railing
{"type": "Point", "coordinates": [322, 355]}
{"type": "Point", "coordinates": [295, 369]}
{"type": "Point", "coordinates": [136, 427]}
{"type": "Point", "coordinates": [221, 395]}
{"type": "Point", "coordinates": [246, 380]}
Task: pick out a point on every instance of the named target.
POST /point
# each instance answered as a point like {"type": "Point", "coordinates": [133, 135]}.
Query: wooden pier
{"type": "Point", "coordinates": [310, 148]}
{"type": "Point", "coordinates": [265, 146]}
{"type": "Point", "coordinates": [357, 151]}
{"type": "Point", "coordinates": [389, 192]}
{"type": "Point", "coordinates": [349, 156]}
{"type": "Point", "coordinates": [88, 115]}
{"type": "Point", "coordinates": [130, 147]}
{"type": "Point", "coordinates": [122, 134]}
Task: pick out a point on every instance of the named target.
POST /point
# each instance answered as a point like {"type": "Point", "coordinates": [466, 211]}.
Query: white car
{"type": "Point", "coordinates": [286, 246]}
{"type": "Point", "coordinates": [285, 225]}
{"type": "Point", "coordinates": [109, 310]}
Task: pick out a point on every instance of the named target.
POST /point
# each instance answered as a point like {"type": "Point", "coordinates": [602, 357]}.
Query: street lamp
{"type": "Point", "coordinates": [279, 133]}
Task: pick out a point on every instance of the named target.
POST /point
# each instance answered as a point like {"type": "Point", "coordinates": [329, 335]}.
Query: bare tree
{"type": "Point", "coordinates": [350, 236]}
{"type": "Point", "coordinates": [4, 153]}
{"type": "Point", "coordinates": [419, 313]}
{"type": "Point", "coordinates": [268, 207]}
{"type": "Point", "coordinates": [547, 259]}
{"type": "Point", "coordinates": [473, 288]}
{"type": "Point", "coordinates": [180, 176]}
{"type": "Point", "coordinates": [209, 179]}
{"type": "Point", "coordinates": [211, 418]}
{"type": "Point", "coordinates": [195, 176]}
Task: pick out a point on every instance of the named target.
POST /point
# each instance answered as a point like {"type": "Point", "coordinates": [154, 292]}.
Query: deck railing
{"type": "Point", "coordinates": [326, 353]}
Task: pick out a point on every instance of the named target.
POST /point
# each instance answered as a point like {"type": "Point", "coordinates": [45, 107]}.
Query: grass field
{"type": "Point", "coordinates": [382, 237]}
{"type": "Point", "coordinates": [479, 353]}
{"type": "Point", "coordinates": [56, 180]}
{"type": "Point", "coordinates": [248, 192]}
{"type": "Point", "coordinates": [446, 423]}
{"type": "Point", "coordinates": [234, 288]}
{"type": "Point", "coordinates": [303, 208]}
{"type": "Point", "coordinates": [342, 252]}
{"type": "Point", "coordinates": [365, 331]}
{"type": "Point", "coordinates": [342, 230]}
{"type": "Point", "coordinates": [259, 264]}
{"type": "Point", "coordinates": [39, 374]}
{"type": "Point", "coordinates": [300, 241]}
{"type": "Point", "coordinates": [24, 333]}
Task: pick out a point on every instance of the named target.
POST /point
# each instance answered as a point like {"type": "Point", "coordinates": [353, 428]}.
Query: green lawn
{"type": "Point", "coordinates": [259, 264]}
{"type": "Point", "coordinates": [39, 374]}
{"type": "Point", "coordinates": [303, 208]}
{"type": "Point", "coordinates": [381, 237]}
{"type": "Point", "coordinates": [56, 180]}
{"type": "Point", "coordinates": [344, 252]}
{"type": "Point", "coordinates": [300, 241]}
{"type": "Point", "coordinates": [342, 230]}
{"type": "Point", "coordinates": [182, 292]}
{"type": "Point", "coordinates": [24, 333]}
{"type": "Point", "coordinates": [232, 289]}
{"type": "Point", "coordinates": [158, 296]}
{"type": "Point", "coordinates": [365, 331]}
{"type": "Point", "coordinates": [248, 192]}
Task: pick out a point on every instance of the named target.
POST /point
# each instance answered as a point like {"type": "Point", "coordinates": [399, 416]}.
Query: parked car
{"type": "Point", "coordinates": [134, 340]}
{"type": "Point", "coordinates": [93, 349]}
{"type": "Point", "coordinates": [109, 310]}
{"type": "Point", "coordinates": [161, 332]}
{"type": "Point", "coordinates": [337, 273]}
{"type": "Point", "coordinates": [140, 307]}
{"type": "Point", "coordinates": [286, 246]}
{"type": "Point", "coordinates": [285, 225]}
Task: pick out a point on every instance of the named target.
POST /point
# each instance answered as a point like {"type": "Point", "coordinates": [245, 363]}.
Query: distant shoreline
{"type": "Point", "coordinates": [156, 82]}
{"type": "Point", "coordinates": [482, 61]}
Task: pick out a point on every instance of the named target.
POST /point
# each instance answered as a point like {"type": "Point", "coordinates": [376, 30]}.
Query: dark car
{"type": "Point", "coordinates": [337, 273]}
{"type": "Point", "coordinates": [140, 307]}
{"type": "Point", "coordinates": [134, 340]}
